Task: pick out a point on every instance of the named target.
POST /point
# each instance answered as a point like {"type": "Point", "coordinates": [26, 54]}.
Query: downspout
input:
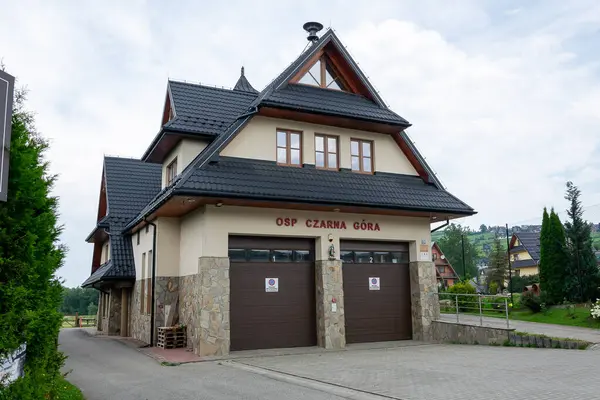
{"type": "Point", "coordinates": [152, 299]}
{"type": "Point", "coordinates": [442, 226]}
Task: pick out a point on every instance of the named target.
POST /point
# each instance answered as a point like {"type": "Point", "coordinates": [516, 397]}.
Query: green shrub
{"type": "Point", "coordinates": [532, 301]}
{"type": "Point", "coordinates": [465, 303]}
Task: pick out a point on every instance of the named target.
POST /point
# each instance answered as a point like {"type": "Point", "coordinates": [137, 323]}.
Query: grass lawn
{"type": "Point", "coordinates": [559, 316]}
{"type": "Point", "coordinates": [66, 391]}
{"type": "Point", "coordinates": [69, 321]}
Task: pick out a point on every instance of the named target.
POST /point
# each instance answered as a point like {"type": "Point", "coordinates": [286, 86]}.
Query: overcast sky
{"type": "Point", "coordinates": [504, 97]}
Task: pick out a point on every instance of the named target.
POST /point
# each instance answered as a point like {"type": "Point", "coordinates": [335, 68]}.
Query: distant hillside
{"type": "Point", "coordinates": [483, 241]}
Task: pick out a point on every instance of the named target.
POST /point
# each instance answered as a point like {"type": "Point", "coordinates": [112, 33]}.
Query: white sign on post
{"type": "Point", "coordinates": [271, 285]}
{"type": "Point", "coordinates": [374, 283]}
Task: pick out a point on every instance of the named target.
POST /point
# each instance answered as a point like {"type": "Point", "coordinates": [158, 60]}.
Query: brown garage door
{"type": "Point", "coordinates": [275, 314]}
{"type": "Point", "coordinates": [376, 291]}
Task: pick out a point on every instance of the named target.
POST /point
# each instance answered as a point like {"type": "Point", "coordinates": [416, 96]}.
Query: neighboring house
{"type": "Point", "coordinates": [239, 216]}
{"type": "Point", "coordinates": [444, 272]}
{"type": "Point", "coordinates": [525, 253]}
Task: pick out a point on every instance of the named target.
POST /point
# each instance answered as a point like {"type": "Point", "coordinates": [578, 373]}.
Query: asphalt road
{"type": "Point", "coordinates": [107, 369]}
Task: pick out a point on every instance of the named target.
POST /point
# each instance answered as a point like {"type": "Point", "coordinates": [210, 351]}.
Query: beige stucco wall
{"type": "Point", "coordinates": [526, 271]}
{"type": "Point", "coordinates": [523, 255]}
{"type": "Point", "coordinates": [258, 141]}
{"type": "Point", "coordinates": [205, 233]}
{"type": "Point", "coordinates": [185, 151]}
{"type": "Point", "coordinates": [167, 246]}
{"type": "Point", "coordinates": [144, 246]}
{"type": "Point", "coordinates": [192, 236]}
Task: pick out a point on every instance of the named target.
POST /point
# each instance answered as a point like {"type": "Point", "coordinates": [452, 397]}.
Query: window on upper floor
{"type": "Point", "coordinates": [171, 171]}
{"type": "Point", "coordinates": [289, 147]}
{"type": "Point", "coordinates": [323, 74]}
{"type": "Point", "coordinates": [326, 152]}
{"type": "Point", "coordinates": [361, 152]}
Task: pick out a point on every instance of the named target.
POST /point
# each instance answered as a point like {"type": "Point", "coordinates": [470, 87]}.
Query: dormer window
{"type": "Point", "coordinates": [323, 74]}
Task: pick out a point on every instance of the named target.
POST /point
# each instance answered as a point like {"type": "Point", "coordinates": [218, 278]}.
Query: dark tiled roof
{"type": "Point", "coordinates": [243, 84]}
{"type": "Point", "coordinates": [517, 249]}
{"type": "Point", "coordinates": [524, 263]}
{"type": "Point", "coordinates": [531, 242]}
{"type": "Point", "coordinates": [204, 109]}
{"type": "Point", "coordinates": [130, 185]}
{"type": "Point", "coordinates": [248, 178]}
{"type": "Point", "coordinates": [332, 102]}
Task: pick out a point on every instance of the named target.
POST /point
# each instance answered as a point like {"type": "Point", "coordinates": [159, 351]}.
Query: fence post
{"type": "Point", "coordinates": [480, 313]}
{"type": "Point", "coordinates": [506, 308]}
{"type": "Point", "coordinates": [457, 319]}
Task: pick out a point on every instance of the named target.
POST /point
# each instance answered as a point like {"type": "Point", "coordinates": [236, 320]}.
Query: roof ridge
{"type": "Point", "coordinates": [222, 88]}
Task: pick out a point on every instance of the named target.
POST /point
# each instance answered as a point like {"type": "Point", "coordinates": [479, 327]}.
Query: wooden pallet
{"type": "Point", "coordinates": [171, 337]}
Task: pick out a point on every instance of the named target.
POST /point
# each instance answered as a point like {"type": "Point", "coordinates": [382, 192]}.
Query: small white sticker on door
{"type": "Point", "coordinates": [374, 283]}
{"type": "Point", "coordinates": [271, 284]}
{"type": "Point", "coordinates": [333, 307]}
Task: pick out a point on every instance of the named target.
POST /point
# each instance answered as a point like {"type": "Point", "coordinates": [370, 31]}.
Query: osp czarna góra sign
{"type": "Point", "coordinates": [329, 224]}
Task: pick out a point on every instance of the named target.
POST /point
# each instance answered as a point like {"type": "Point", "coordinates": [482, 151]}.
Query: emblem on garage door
{"type": "Point", "coordinates": [374, 283]}
{"type": "Point", "coordinates": [271, 284]}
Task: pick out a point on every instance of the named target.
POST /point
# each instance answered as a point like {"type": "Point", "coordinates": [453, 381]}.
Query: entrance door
{"type": "Point", "coordinates": [272, 292]}
{"type": "Point", "coordinates": [376, 291]}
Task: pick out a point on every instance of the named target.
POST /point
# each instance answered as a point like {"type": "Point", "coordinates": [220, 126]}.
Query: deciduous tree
{"type": "Point", "coordinates": [451, 245]}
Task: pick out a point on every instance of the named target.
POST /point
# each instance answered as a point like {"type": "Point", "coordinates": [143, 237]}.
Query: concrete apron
{"type": "Point", "coordinates": [260, 353]}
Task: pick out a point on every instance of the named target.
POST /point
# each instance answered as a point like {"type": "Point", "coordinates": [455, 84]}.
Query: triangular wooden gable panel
{"type": "Point", "coordinates": [347, 74]}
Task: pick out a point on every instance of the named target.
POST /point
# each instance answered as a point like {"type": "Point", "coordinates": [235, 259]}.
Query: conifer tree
{"type": "Point", "coordinates": [30, 293]}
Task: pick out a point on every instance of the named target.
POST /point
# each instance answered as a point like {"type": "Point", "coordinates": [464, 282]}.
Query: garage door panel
{"type": "Point", "coordinates": [261, 319]}
{"type": "Point", "coordinates": [376, 315]}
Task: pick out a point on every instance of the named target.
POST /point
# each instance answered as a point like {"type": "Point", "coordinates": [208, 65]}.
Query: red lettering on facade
{"type": "Point", "coordinates": [279, 221]}
{"type": "Point", "coordinates": [309, 223]}
{"type": "Point", "coordinates": [294, 220]}
{"type": "Point", "coordinates": [377, 227]}
{"type": "Point", "coordinates": [343, 225]}
{"type": "Point", "coordinates": [330, 224]}
{"type": "Point", "coordinates": [336, 224]}
{"type": "Point", "coordinates": [370, 226]}
{"type": "Point", "coordinates": [356, 226]}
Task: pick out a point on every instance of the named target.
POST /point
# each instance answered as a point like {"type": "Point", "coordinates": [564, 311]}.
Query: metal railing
{"type": "Point", "coordinates": [474, 309]}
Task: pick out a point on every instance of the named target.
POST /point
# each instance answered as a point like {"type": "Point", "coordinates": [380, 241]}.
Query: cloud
{"type": "Point", "coordinates": [503, 103]}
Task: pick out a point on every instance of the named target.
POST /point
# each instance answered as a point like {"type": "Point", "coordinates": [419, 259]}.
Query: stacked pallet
{"type": "Point", "coordinates": [171, 337]}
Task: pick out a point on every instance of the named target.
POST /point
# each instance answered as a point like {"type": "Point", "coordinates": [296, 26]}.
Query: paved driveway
{"type": "Point", "coordinates": [107, 369]}
{"type": "Point", "coordinates": [447, 372]}
{"type": "Point", "coordinates": [562, 331]}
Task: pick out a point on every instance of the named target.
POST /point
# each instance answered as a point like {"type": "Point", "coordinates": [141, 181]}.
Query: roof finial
{"type": "Point", "coordinates": [242, 70]}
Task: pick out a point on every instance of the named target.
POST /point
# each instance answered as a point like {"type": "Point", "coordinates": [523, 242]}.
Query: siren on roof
{"type": "Point", "coordinates": [312, 28]}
